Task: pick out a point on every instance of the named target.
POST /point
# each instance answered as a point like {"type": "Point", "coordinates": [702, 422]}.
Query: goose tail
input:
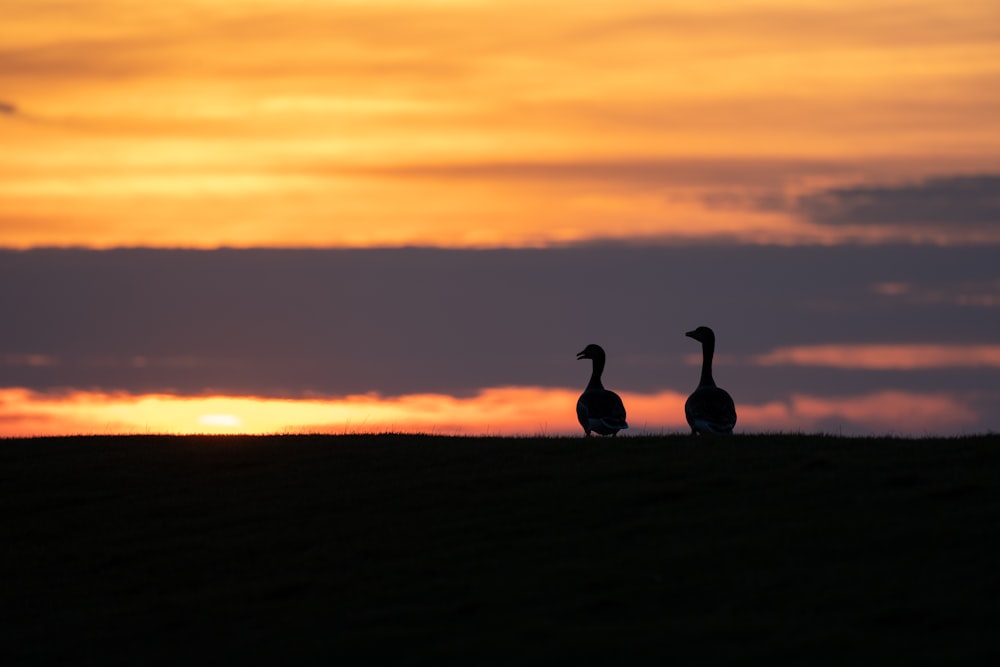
{"type": "Point", "coordinates": [615, 423]}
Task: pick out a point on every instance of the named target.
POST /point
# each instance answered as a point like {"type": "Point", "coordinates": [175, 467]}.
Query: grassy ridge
{"type": "Point", "coordinates": [401, 549]}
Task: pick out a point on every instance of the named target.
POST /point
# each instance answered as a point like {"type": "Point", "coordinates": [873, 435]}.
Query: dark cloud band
{"type": "Point", "coordinates": [397, 321]}
{"type": "Point", "coordinates": [960, 201]}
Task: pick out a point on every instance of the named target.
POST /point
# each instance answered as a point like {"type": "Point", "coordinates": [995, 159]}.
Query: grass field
{"type": "Point", "coordinates": [407, 550]}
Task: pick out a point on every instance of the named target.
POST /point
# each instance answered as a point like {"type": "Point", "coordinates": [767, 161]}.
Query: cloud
{"type": "Point", "coordinates": [771, 173]}
{"type": "Point", "coordinates": [974, 293]}
{"type": "Point", "coordinates": [886, 412]}
{"type": "Point", "coordinates": [959, 202]}
{"type": "Point", "coordinates": [36, 360]}
{"type": "Point", "coordinates": [806, 28]}
{"type": "Point", "coordinates": [886, 356]}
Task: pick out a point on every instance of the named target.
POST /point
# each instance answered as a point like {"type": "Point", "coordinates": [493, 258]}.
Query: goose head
{"type": "Point", "coordinates": [702, 335]}
{"type": "Point", "coordinates": [591, 352]}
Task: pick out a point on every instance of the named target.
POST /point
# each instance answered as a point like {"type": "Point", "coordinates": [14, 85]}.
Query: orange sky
{"type": "Point", "coordinates": [300, 123]}
{"type": "Point", "coordinates": [489, 123]}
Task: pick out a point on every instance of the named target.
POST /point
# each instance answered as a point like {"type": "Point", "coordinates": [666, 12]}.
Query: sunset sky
{"type": "Point", "coordinates": [290, 215]}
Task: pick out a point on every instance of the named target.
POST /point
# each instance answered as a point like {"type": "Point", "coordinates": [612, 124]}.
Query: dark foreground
{"type": "Point", "coordinates": [405, 550]}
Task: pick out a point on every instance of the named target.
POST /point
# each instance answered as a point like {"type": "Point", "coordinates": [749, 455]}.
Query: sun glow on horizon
{"type": "Point", "coordinates": [502, 411]}
{"type": "Point", "coordinates": [221, 421]}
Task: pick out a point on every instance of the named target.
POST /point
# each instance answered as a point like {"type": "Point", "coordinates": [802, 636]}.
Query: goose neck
{"type": "Point", "coordinates": [595, 374]}
{"type": "Point", "coordinates": [707, 352]}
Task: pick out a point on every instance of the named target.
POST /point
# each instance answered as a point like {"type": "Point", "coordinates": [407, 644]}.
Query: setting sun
{"type": "Point", "coordinates": [220, 421]}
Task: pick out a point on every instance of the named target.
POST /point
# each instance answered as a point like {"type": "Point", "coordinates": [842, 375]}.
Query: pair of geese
{"type": "Point", "coordinates": [709, 409]}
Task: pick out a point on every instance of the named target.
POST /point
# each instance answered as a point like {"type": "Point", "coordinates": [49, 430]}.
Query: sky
{"type": "Point", "coordinates": [305, 216]}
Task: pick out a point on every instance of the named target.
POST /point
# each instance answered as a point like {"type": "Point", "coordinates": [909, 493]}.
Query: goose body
{"type": "Point", "coordinates": [599, 410]}
{"type": "Point", "coordinates": [709, 409]}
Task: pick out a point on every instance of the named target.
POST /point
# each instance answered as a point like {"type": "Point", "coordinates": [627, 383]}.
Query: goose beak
{"type": "Point", "coordinates": [581, 355]}
{"type": "Point", "coordinates": [690, 333]}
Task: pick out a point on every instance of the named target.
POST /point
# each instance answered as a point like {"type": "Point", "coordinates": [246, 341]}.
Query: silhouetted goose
{"type": "Point", "coordinates": [598, 409]}
{"type": "Point", "coordinates": [709, 409]}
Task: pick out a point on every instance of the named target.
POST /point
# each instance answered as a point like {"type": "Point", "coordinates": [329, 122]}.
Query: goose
{"type": "Point", "coordinates": [709, 409]}
{"type": "Point", "coordinates": [598, 409]}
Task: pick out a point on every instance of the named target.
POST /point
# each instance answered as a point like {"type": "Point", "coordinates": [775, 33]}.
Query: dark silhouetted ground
{"type": "Point", "coordinates": [412, 550]}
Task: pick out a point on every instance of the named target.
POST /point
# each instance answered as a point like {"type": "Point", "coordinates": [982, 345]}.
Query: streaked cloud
{"type": "Point", "coordinates": [32, 360]}
{"type": "Point", "coordinates": [884, 412]}
{"type": "Point", "coordinates": [970, 293]}
{"type": "Point", "coordinates": [885, 356]}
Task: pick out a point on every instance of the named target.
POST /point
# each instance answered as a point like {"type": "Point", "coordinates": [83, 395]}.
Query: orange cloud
{"type": "Point", "coordinates": [885, 357]}
{"type": "Point", "coordinates": [887, 411]}
{"type": "Point", "coordinates": [877, 413]}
